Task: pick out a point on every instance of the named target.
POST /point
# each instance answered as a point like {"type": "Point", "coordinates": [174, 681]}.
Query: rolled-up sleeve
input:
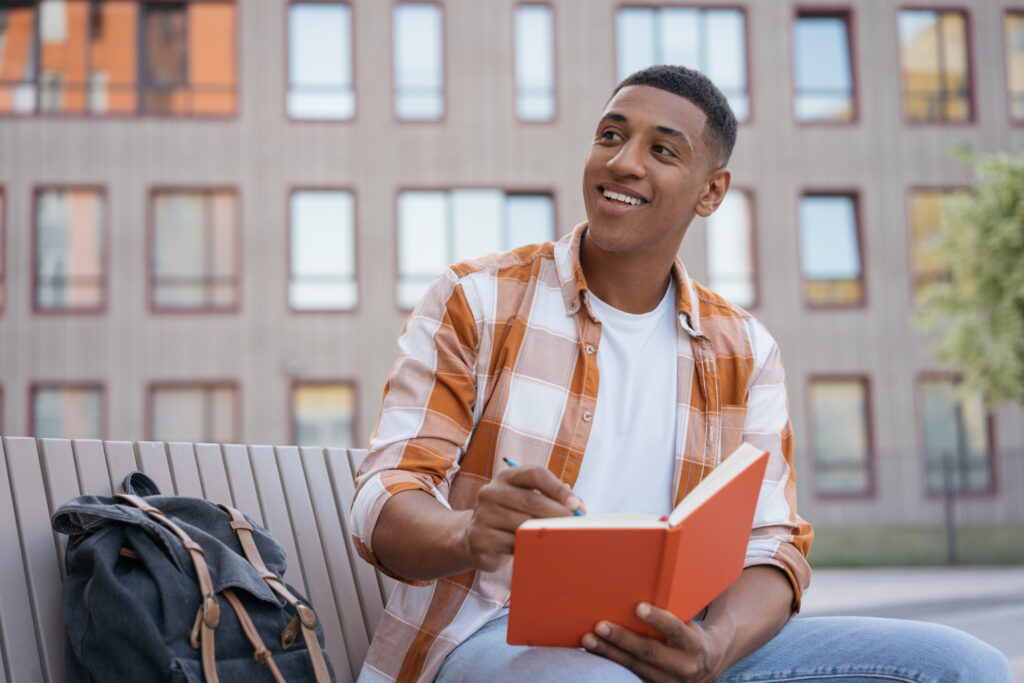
{"type": "Point", "coordinates": [779, 536]}
{"type": "Point", "coordinates": [426, 415]}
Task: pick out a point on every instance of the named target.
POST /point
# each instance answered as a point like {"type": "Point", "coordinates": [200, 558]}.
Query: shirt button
{"type": "Point", "coordinates": [588, 416]}
{"type": "Point", "coordinates": [589, 348]}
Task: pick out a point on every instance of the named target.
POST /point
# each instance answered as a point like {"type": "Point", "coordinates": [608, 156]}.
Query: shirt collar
{"type": "Point", "coordinates": [576, 295]}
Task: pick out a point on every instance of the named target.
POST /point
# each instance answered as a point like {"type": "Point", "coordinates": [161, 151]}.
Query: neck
{"type": "Point", "coordinates": [631, 282]}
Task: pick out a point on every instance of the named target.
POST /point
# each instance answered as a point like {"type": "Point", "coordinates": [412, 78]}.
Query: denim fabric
{"type": "Point", "coordinates": [129, 619]}
{"type": "Point", "coordinates": [847, 649]}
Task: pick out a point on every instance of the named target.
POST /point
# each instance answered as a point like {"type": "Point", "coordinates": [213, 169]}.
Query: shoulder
{"type": "Point", "coordinates": [506, 276]}
{"type": "Point", "coordinates": [733, 326]}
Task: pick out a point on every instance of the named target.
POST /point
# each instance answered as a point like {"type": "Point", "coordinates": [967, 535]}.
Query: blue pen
{"type": "Point", "coordinates": [513, 463]}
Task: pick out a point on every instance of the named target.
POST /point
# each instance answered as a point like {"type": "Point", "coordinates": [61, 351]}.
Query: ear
{"type": "Point", "coordinates": [715, 187]}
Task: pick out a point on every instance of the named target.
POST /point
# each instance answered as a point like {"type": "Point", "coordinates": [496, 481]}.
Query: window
{"type": "Point", "coordinates": [320, 61]}
{"type": "Point", "coordinates": [195, 250]}
{"type": "Point", "coordinates": [67, 411]}
{"type": "Point", "coordinates": [730, 249]}
{"type": "Point", "coordinates": [69, 250]}
{"type": "Point", "coordinates": [840, 436]}
{"type": "Point", "coordinates": [934, 65]}
{"type": "Point", "coordinates": [927, 219]}
{"type": "Point", "coordinates": [713, 41]}
{"type": "Point", "coordinates": [535, 63]}
{"type": "Point", "coordinates": [323, 414]}
{"type": "Point", "coordinates": [821, 68]}
{"type": "Point", "coordinates": [1013, 27]}
{"type": "Point", "coordinates": [323, 260]}
{"type": "Point", "coordinates": [436, 229]}
{"type": "Point", "coordinates": [956, 438]}
{"type": "Point", "coordinates": [3, 254]}
{"type": "Point", "coordinates": [202, 412]}
{"type": "Point", "coordinates": [419, 62]}
{"type": "Point", "coordinates": [118, 57]}
{"type": "Point", "coordinates": [830, 250]}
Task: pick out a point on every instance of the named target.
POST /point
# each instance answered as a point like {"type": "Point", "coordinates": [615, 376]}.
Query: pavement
{"type": "Point", "coordinates": [987, 602]}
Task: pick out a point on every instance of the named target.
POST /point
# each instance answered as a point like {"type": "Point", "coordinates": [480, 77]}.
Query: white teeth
{"type": "Point", "coordinates": [622, 198]}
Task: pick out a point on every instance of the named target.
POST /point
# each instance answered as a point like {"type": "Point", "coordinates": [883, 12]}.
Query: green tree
{"type": "Point", "coordinates": [978, 315]}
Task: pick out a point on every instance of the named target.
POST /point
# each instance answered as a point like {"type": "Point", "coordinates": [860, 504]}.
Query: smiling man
{"type": "Point", "coordinates": [616, 383]}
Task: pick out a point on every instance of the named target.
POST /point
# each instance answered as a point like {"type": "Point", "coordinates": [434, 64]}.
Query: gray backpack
{"type": "Point", "coordinates": [174, 588]}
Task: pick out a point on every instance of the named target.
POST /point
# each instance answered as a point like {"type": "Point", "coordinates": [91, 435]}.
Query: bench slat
{"type": "Point", "coordinates": [61, 478]}
{"type": "Point", "coordinates": [212, 473]}
{"type": "Point", "coordinates": [152, 459]}
{"type": "Point", "coordinates": [335, 540]}
{"type": "Point", "coordinates": [39, 553]}
{"type": "Point", "coordinates": [311, 556]}
{"type": "Point", "coordinates": [184, 469]}
{"type": "Point", "coordinates": [120, 461]}
{"type": "Point", "coordinates": [275, 509]}
{"type": "Point", "coordinates": [93, 478]}
{"type": "Point", "coordinates": [243, 486]}
{"type": "Point", "coordinates": [19, 648]}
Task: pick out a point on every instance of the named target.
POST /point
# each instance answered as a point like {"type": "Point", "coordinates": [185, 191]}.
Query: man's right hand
{"type": "Point", "coordinates": [515, 495]}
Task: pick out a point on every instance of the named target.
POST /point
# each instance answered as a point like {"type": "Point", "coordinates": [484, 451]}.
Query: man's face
{"type": "Point", "coordinates": [648, 171]}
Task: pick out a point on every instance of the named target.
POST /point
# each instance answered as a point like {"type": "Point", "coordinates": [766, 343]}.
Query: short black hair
{"type": "Point", "coordinates": [720, 127]}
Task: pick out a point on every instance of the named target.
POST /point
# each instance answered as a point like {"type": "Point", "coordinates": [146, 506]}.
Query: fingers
{"type": "Point", "coordinates": [630, 649]}
{"type": "Point", "coordinates": [679, 634]}
{"type": "Point", "coordinates": [540, 480]}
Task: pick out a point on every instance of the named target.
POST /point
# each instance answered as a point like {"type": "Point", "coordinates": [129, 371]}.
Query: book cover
{"type": "Point", "coordinates": [568, 573]}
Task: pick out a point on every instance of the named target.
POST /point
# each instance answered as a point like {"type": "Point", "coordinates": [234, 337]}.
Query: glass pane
{"type": "Point", "coordinates": [933, 59]}
{"type": "Point", "coordinates": [529, 219]}
{"type": "Point", "coordinates": [419, 62]}
{"type": "Point", "coordinates": [211, 57]}
{"type": "Point", "coordinates": [323, 415]}
{"type": "Point", "coordinates": [726, 61]}
{"type": "Point", "coordinates": [222, 226]}
{"type": "Point", "coordinates": [840, 433]}
{"type": "Point", "coordinates": [828, 238]}
{"type": "Point", "coordinates": [535, 63]}
{"type": "Point", "coordinates": [67, 413]}
{"type": "Point", "coordinates": [423, 242]}
{"type": "Point", "coordinates": [179, 250]}
{"type": "Point", "coordinates": [927, 217]}
{"type": "Point", "coordinates": [17, 59]}
{"type": "Point", "coordinates": [679, 36]}
{"type": "Point", "coordinates": [165, 59]}
{"type": "Point", "coordinates": [193, 413]}
{"type": "Point", "coordinates": [1014, 41]}
{"type": "Point", "coordinates": [320, 61]}
{"type": "Point", "coordinates": [63, 28]}
{"type": "Point", "coordinates": [113, 58]}
{"type": "Point", "coordinates": [955, 438]}
{"type": "Point", "coordinates": [3, 257]}
{"type": "Point", "coordinates": [730, 255]}
{"type": "Point", "coordinates": [69, 249]}
{"type": "Point", "coordinates": [322, 250]}
{"type": "Point", "coordinates": [824, 84]}
{"type": "Point", "coordinates": [477, 217]}
{"type": "Point", "coordinates": [634, 40]}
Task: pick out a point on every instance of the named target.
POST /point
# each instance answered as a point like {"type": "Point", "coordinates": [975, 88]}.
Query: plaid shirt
{"type": "Point", "coordinates": [499, 360]}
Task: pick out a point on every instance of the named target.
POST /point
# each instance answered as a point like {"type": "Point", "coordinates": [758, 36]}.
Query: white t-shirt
{"type": "Point", "coordinates": [629, 461]}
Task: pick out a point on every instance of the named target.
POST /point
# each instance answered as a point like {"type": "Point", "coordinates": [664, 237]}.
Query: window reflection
{"type": "Point", "coordinates": [320, 61]}
{"type": "Point", "coordinates": [829, 250]}
{"type": "Point", "coordinates": [69, 271]}
{"type": "Point", "coordinates": [419, 61]}
{"type": "Point", "coordinates": [824, 81]}
{"type": "Point", "coordinates": [67, 412]}
{"type": "Point", "coordinates": [204, 413]}
{"type": "Point", "coordinates": [1013, 27]}
{"type": "Point", "coordinates": [729, 249]}
{"type": "Point", "coordinates": [956, 438]}
{"type": "Point", "coordinates": [934, 67]}
{"type": "Point", "coordinates": [323, 414]}
{"type": "Point", "coordinates": [322, 250]}
{"type": "Point", "coordinates": [839, 429]}
{"type": "Point", "coordinates": [535, 63]}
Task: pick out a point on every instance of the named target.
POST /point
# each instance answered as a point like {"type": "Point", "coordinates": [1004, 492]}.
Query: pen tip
{"type": "Point", "coordinates": [577, 512]}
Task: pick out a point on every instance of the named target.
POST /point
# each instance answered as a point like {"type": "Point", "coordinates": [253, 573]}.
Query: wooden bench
{"type": "Point", "coordinates": [301, 495]}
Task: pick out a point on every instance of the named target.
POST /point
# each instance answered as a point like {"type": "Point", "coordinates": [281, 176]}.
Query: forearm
{"type": "Point", "coordinates": [750, 612]}
{"type": "Point", "coordinates": [418, 538]}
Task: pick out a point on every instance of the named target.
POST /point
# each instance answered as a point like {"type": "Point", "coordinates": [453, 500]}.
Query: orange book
{"type": "Point", "coordinates": [568, 573]}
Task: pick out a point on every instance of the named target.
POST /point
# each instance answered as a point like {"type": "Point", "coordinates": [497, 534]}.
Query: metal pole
{"type": "Point", "coordinates": [947, 480]}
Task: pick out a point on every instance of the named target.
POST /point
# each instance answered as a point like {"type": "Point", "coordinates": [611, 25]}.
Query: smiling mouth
{"type": "Point", "coordinates": [624, 198]}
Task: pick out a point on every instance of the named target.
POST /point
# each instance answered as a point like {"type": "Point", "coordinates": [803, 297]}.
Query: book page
{"type": "Point", "coordinates": [622, 520]}
{"type": "Point", "coordinates": [739, 460]}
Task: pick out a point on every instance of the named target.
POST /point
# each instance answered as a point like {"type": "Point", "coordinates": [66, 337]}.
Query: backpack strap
{"type": "Point", "coordinates": [209, 611]}
{"type": "Point", "coordinates": [305, 613]}
{"type": "Point", "coordinates": [262, 654]}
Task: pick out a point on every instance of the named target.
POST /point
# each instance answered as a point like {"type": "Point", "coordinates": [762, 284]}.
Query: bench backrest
{"type": "Point", "coordinates": [301, 495]}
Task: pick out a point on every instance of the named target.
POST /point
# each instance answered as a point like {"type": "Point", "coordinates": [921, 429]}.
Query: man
{"type": "Point", "coordinates": [616, 383]}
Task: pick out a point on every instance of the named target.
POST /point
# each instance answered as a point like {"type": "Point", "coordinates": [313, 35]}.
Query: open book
{"type": "Point", "coordinates": [568, 573]}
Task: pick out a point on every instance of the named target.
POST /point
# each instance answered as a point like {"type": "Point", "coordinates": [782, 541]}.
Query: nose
{"type": "Point", "coordinates": [628, 160]}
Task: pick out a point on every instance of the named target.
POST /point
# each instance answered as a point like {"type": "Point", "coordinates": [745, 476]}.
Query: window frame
{"type": "Point", "coordinates": [353, 37]}
{"type": "Point", "coordinates": [550, 191]}
{"type": "Point", "coordinates": [154, 386]}
{"type": "Point", "coordinates": [105, 236]}
{"type": "Point", "coordinates": [356, 271]}
{"type": "Point", "coordinates": [239, 285]}
{"type": "Point", "coordinates": [99, 386]}
{"type": "Point", "coordinates": [554, 64]}
{"type": "Point", "coordinates": [848, 13]}
{"type": "Point", "coordinates": [137, 89]}
{"type": "Point", "coordinates": [755, 269]}
{"type": "Point", "coordinates": [971, 70]}
{"type": "Point", "coordinates": [871, 492]}
{"type": "Point", "coordinates": [990, 434]}
{"type": "Point", "coordinates": [297, 382]}
{"type": "Point", "coordinates": [445, 76]}
{"type": "Point", "coordinates": [747, 43]}
{"type": "Point", "coordinates": [1007, 11]}
{"type": "Point", "coordinates": [857, 196]}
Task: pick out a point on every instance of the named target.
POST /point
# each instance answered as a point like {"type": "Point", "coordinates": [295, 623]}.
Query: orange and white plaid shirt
{"type": "Point", "coordinates": [499, 359]}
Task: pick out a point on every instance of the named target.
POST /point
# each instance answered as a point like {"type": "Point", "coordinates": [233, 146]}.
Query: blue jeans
{"type": "Point", "coordinates": [848, 649]}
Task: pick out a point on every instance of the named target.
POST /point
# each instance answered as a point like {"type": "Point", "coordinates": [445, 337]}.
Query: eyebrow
{"type": "Point", "coordinates": [664, 130]}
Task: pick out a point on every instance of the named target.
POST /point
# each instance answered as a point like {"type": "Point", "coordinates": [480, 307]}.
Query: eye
{"type": "Point", "coordinates": [611, 135]}
{"type": "Point", "coordinates": [662, 150]}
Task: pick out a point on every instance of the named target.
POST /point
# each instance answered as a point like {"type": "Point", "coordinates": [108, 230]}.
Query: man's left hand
{"type": "Point", "coordinates": [691, 652]}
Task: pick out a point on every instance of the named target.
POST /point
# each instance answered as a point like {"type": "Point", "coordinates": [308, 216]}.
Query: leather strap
{"type": "Point", "coordinates": [307, 617]}
{"type": "Point", "coordinates": [261, 653]}
{"type": "Point", "coordinates": [209, 610]}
